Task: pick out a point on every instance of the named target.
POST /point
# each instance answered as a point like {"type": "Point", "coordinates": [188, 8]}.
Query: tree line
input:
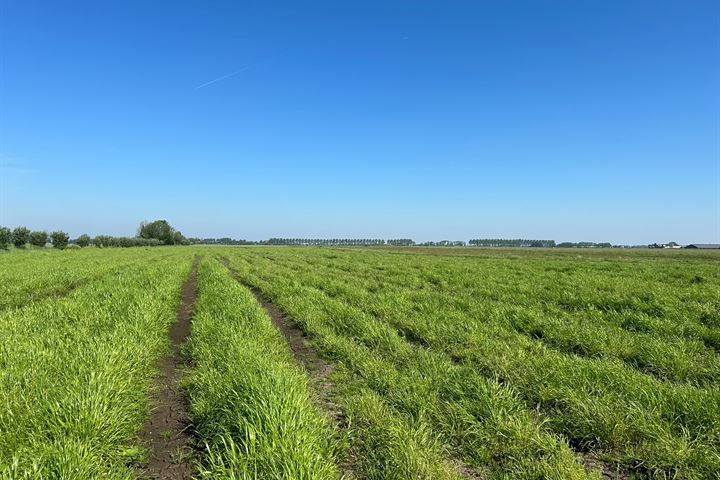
{"type": "Point", "coordinates": [584, 245]}
{"type": "Point", "coordinates": [21, 236]}
{"type": "Point", "coordinates": [221, 241]}
{"type": "Point", "coordinates": [505, 242]}
{"type": "Point", "coordinates": [443, 243]}
{"type": "Point", "coordinates": [335, 242]}
{"type": "Point", "coordinates": [160, 232]}
{"type": "Point", "coordinates": [149, 234]}
{"type": "Point", "coordinates": [302, 241]}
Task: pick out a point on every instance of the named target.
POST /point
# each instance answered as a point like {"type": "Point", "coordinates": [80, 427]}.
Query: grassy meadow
{"type": "Point", "coordinates": [441, 363]}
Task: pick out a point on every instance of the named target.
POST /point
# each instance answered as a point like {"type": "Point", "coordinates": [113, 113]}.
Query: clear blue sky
{"type": "Point", "coordinates": [569, 120]}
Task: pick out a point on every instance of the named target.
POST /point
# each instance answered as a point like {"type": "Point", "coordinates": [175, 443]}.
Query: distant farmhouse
{"type": "Point", "coordinates": [665, 245]}
{"type": "Point", "coordinates": [704, 246]}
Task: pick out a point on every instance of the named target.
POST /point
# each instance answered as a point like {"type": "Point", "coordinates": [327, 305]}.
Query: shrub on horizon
{"type": "Point", "coordinates": [83, 240]}
{"type": "Point", "coordinates": [59, 239]}
{"type": "Point", "coordinates": [38, 239]}
{"type": "Point", "coordinates": [159, 229]}
{"type": "Point", "coordinates": [20, 237]}
{"type": "Point", "coordinates": [5, 238]}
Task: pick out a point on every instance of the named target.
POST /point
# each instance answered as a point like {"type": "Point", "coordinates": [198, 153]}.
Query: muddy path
{"type": "Point", "coordinates": [166, 433]}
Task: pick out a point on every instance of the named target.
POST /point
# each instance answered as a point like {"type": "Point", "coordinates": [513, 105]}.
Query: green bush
{"type": "Point", "coordinates": [179, 238]}
{"type": "Point", "coordinates": [5, 237]}
{"type": "Point", "coordinates": [102, 241]}
{"type": "Point", "coordinates": [159, 229]}
{"type": "Point", "coordinates": [38, 239]}
{"type": "Point", "coordinates": [20, 237]}
{"type": "Point", "coordinates": [59, 239]}
{"type": "Point", "coordinates": [83, 240]}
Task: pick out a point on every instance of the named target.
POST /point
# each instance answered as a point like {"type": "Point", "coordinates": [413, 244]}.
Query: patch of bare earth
{"type": "Point", "coordinates": [165, 432]}
{"type": "Point", "coordinates": [607, 472]}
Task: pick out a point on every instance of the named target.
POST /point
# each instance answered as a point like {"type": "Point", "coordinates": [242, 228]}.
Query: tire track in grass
{"type": "Point", "coordinates": [319, 370]}
{"type": "Point", "coordinates": [165, 432]}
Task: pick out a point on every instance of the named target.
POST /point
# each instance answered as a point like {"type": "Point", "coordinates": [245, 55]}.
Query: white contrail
{"type": "Point", "coordinates": [220, 78]}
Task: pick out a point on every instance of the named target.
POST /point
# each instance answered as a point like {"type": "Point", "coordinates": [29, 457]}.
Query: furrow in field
{"type": "Point", "coordinates": [166, 431]}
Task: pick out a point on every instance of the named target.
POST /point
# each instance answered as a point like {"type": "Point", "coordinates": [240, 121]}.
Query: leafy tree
{"type": "Point", "coordinates": [159, 229]}
{"type": "Point", "coordinates": [59, 239]}
{"type": "Point", "coordinates": [38, 239]}
{"type": "Point", "coordinates": [5, 237]}
{"type": "Point", "coordinates": [83, 240]}
{"type": "Point", "coordinates": [101, 241]}
{"type": "Point", "coordinates": [20, 237]}
{"type": "Point", "coordinates": [179, 239]}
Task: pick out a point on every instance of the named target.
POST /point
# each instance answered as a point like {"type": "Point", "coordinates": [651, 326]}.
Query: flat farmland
{"type": "Point", "coordinates": [322, 363]}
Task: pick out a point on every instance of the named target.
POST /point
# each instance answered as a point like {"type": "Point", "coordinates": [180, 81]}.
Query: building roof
{"type": "Point", "coordinates": [704, 245]}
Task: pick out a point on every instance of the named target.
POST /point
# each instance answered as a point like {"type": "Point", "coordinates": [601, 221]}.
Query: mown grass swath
{"type": "Point", "coordinates": [75, 373]}
{"type": "Point", "coordinates": [649, 404]}
{"type": "Point", "coordinates": [250, 402]}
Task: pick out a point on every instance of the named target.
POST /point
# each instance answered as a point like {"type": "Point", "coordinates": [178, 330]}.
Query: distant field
{"type": "Point", "coordinates": [379, 363]}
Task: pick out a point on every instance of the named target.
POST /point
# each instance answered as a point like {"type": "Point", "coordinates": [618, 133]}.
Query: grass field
{"type": "Point", "coordinates": [397, 363]}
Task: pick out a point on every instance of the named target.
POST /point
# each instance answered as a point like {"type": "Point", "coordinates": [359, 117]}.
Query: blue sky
{"type": "Point", "coordinates": [569, 120]}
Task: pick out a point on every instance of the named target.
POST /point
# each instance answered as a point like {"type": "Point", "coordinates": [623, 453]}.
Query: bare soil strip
{"type": "Point", "coordinates": [165, 432]}
{"type": "Point", "coordinates": [607, 472]}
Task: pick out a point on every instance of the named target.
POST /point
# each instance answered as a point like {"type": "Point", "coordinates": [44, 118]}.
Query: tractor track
{"type": "Point", "coordinates": [166, 431]}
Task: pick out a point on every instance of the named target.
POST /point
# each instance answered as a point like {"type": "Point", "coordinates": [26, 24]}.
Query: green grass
{"type": "Point", "coordinates": [30, 275]}
{"type": "Point", "coordinates": [483, 422]}
{"type": "Point", "coordinates": [75, 373]}
{"type": "Point", "coordinates": [250, 403]}
{"type": "Point", "coordinates": [506, 363]}
{"type": "Point", "coordinates": [613, 356]}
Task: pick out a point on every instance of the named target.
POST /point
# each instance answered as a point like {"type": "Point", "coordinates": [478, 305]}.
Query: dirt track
{"type": "Point", "coordinates": [165, 433]}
